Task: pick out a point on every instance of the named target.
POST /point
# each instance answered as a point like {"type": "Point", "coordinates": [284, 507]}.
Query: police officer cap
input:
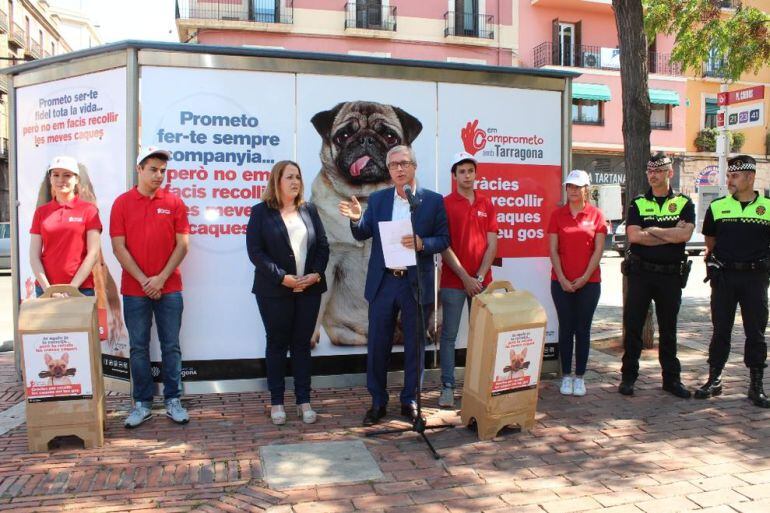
{"type": "Point", "coordinates": [659, 160]}
{"type": "Point", "coordinates": [742, 163]}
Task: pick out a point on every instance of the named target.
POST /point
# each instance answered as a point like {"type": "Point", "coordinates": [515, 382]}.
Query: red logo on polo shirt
{"type": "Point", "coordinates": [72, 219]}
{"type": "Point", "coordinates": [481, 213]}
{"type": "Point", "coordinates": [164, 211]}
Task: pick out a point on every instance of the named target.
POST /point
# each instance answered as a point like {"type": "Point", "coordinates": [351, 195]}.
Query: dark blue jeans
{"type": "Point", "coordinates": [576, 312]}
{"type": "Point", "coordinates": [289, 323]}
{"type": "Point", "coordinates": [138, 312]}
{"type": "Point", "coordinates": [85, 292]}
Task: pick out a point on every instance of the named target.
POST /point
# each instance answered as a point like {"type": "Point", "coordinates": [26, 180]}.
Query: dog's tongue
{"type": "Point", "coordinates": [358, 165]}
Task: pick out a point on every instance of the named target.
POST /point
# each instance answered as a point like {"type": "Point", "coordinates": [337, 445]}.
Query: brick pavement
{"type": "Point", "coordinates": [603, 452]}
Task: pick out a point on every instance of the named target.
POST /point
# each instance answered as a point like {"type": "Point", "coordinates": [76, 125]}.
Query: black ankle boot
{"type": "Point", "coordinates": [712, 387]}
{"type": "Point", "coordinates": [756, 392]}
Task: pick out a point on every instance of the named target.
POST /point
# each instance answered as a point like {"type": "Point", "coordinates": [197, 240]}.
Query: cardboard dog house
{"type": "Point", "coordinates": [62, 368]}
{"type": "Point", "coordinates": [506, 340]}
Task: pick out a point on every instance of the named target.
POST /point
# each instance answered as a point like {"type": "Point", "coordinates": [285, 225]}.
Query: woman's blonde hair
{"type": "Point", "coordinates": [271, 196]}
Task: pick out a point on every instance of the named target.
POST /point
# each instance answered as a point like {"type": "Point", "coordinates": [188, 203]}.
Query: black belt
{"type": "Point", "coordinates": [655, 268]}
{"type": "Point", "coordinates": [398, 273]}
{"type": "Point", "coordinates": [757, 265]}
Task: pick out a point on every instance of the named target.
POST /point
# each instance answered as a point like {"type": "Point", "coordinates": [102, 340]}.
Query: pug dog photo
{"type": "Point", "coordinates": [356, 137]}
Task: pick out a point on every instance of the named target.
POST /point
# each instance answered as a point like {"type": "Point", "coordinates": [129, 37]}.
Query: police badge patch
{"type": "Point", "coordinates": [761, 210]}
{"type": "Point", "coordinates": [671, 207]}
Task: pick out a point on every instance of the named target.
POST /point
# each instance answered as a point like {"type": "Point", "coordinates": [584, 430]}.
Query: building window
{"type": "Point", "coordinates": [466, 18]}
{"type": "Point", "coordinates": [266, 11]}
{"type": "Point", "coordinates": [587, 112]}
{"type": "Point", "coordinates": [710, 113]}
{"type": "Point", "coordinates": [713, 66]}
{"type": "Point", "coordinates": [660, 117]}
{"type": "Point", "coordinates": [368, 13]}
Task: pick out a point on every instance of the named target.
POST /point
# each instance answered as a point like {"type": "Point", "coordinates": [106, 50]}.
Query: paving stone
{"type": "Point", "coordinates": [318, 463]}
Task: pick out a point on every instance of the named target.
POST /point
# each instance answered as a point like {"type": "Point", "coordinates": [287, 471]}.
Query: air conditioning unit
{"type": "Point", "coordinates": [592, 60]}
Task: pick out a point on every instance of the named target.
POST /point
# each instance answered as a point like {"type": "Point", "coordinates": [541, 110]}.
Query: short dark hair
{"type": "Point", "coordinates": [159, 156]}
{"type": "Point", "coordinates": [454, 166]}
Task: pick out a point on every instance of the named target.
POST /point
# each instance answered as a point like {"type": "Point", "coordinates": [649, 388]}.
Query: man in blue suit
{"type": "Point", "coordinates": [390, 290]}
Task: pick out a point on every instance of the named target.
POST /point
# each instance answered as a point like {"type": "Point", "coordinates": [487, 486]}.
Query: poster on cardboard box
{"type": "Point", "coordinates": [57, 366]}
{"type": "Point", "coordinates": [517, 360]}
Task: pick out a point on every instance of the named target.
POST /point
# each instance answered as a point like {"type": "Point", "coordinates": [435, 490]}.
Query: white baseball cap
{"type": "Point", "coordinates": [462, 157]}
{"type": "Point", "coordinates": [65, 162]}
{"type": "Point", "coordinates": [578, 177]}
{"type": "Point", "coordinates": [151, 150]}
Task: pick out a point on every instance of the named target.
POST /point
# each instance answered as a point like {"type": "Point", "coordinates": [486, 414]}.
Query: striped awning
{"type": "Point", "coordinates": [664, 97]}
{"type": "Point", "coordinates": [595, 92]}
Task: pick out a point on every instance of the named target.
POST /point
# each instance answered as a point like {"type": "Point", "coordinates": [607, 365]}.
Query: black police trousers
{"type": "Point", "coordinates": [666, 291]}
{"type": "Point", "coordinates": [748, 289]}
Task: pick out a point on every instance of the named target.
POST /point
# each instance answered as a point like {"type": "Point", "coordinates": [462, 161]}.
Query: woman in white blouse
{"type": "Point", "coordinates": [287, 244]}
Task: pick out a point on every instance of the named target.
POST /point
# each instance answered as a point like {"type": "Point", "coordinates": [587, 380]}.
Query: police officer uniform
{"type": "Point", "coordinates": [738, 272]}
{"type": "Point", "coordinates": [655, 273]}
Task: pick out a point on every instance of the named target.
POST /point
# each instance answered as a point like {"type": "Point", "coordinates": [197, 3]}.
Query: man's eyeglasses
{"type": "Point", "coordinates": [405, 164]}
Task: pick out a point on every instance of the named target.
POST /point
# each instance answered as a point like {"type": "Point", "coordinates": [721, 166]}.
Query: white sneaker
{"type": "Point", "coordinates": [566, 386]}
{"type": "Point", "coordinates": [579, 387]}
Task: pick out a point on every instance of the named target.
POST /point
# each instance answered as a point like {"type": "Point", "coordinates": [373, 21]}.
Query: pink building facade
{"type": "Point", "coordinates": [580, 35]}
{"type": "Point", "coordinates": [470, 31]}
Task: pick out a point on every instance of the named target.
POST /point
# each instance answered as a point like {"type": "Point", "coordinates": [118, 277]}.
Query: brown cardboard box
{"type": "Point", "coordinates": [506, 339]}
{"type": "Point", "coordinates": [62, 368]}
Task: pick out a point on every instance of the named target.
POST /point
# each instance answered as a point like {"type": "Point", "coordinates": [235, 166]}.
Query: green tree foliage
{"type": "Point", "coordinates": [736, 38]}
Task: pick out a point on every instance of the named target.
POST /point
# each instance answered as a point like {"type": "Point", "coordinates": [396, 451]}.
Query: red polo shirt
{"type": "Point", "coordinates": [468, 228]}
{"type": "Point", "coordinates": [150, 226]}
{"type": "Point", "coordinates": [577, 237]}
{"type": "Point", "coordinates": [63, 228]}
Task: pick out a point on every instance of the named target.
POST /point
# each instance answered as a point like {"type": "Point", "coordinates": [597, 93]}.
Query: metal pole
{"type": "Point", "coordinates": [722, 148]}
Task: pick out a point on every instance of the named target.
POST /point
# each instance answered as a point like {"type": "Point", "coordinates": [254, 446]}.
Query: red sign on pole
{"type": "Point", "coordinates": [740, 96]}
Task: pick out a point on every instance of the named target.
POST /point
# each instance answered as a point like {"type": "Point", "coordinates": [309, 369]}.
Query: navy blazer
{"type": "Point", "coordinates": [267, 242]}
{"type": "Point", "coordinates": [430, 222]}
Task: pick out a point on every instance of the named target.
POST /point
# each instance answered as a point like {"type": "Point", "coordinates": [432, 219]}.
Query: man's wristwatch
{"type": "Point", "coordinates": [480, 278]}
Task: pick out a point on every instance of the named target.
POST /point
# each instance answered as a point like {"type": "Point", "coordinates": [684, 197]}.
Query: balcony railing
{"type": "Point", "coordinates": [469, 25]}
{"type": "Point", "coordinates": [660, 125]}
{"type": "Point", "coordinates": [34, 50]}
{"type": "Point", "coordinates": [727, 4]}
{"type": "Point", "coordinates": [261, 11]}
{"type": "Point", "coordinates": [3, 22]}
{"type": "Point", "coordinates": [597, 57]}
{"type": "Point", "coordinates": [4, 83]}
{"type": "Point", "coordinates": [372, 17]}
{"type": "Point", "coordinates": [18, 36]}
{"type": "Point", "coordinates": [713, 69]}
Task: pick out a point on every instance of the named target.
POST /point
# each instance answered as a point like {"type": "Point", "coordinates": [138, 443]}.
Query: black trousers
{"type": "Point", "coordinates": [748, 289]}
{"type": "Point", "coordinates": [666, 291]}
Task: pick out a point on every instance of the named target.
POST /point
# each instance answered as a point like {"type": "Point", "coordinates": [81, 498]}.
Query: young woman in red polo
{"type": "Point", "coordinates": [576, 235]}
{"type": "Point", "coordinates": [65, 232]}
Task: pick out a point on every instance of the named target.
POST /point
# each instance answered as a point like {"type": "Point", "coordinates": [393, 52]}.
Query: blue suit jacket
{"type": "Point", "coordinates": [431, 225]}
{"type": "Point", "coordinates": [267, 242]}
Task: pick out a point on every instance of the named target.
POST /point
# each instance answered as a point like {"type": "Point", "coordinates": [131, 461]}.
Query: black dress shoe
{"type": "Point", "coordinates": [626, 387]}
{"type": "Point", "coordinates": [373, 415]}
{"type": "Point", "coordinates": [678, 389]}
{"type": "Point", "coordinates": [409, 410]}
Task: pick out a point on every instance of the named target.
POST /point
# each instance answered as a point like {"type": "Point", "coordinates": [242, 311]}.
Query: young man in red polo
{"type": "Point", "coordinates": [150, 236]}
{"type": "Point", "coordinates": [466, 263]}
